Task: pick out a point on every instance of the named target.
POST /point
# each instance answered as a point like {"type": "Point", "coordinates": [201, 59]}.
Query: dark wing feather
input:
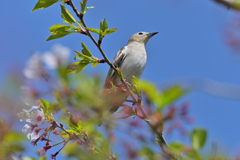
{"type": "Point", "coordinates": [117, 62]}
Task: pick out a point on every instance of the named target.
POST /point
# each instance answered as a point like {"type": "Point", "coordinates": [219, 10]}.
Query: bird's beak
{"type": "Point", "coordinates": [152, 34]}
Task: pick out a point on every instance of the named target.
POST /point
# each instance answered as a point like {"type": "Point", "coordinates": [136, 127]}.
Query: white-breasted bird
{"type": "Point", "coordinates": [131, 59]}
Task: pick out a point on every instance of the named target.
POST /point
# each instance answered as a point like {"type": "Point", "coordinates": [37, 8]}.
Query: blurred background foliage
{"type": "Point", "coordinates": [79, 103]}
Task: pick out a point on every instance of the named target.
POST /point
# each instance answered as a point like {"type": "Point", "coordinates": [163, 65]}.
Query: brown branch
{"type": "Point", "coordinates": [229, 3]}
{"type": "Point", "coordinates": [135, 101]}
{"type": "Point", "coordinates": [61, 127]}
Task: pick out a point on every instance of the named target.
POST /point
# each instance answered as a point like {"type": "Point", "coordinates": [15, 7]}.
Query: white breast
{"type": "Point", "coordinates": [135, 62]}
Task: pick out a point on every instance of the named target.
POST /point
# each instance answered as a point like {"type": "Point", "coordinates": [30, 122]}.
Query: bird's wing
{"type": "Point", "coordinates": [117, 62]}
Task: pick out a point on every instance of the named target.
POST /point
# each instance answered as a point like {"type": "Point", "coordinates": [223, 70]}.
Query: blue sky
{"type": "Point", "coordinates": [190, 43]}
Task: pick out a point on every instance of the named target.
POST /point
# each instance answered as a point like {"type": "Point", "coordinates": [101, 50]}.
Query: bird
{"type": "Point", "coordinates": [131, 59]}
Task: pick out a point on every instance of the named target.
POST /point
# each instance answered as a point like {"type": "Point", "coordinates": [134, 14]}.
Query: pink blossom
{"type": "Point", "coordinates": [36, 117]}
{"type": "Point", "coordinates": [31, 134]}
{"type": "Point", "coordinates": [55, 132]}
{"type": "Point", "coordinates": [35, 134]}
{"type": "Point", "coordinates": [43, 150]}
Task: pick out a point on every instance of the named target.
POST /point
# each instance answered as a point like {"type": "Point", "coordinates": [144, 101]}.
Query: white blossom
{"type": "Point", "coordinates": [58, 56]}
{"type": "Point", "coordinates": [25, 115]}
{"type": "Point", "coordinates": [31, 109]}
{"type": "Point", "coordinates": [36, 117]}
{"type": "Point", "coordinates": [27, 129]}
{"type": "Point", "coordinates": [31, 132]}
{"type": "Point", "coordinates": [34, 134]}
{"type": "Point", "coordinates": [33, 69]}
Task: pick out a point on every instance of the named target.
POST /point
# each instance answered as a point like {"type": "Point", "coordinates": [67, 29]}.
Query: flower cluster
{"type": "Point", "coordinates": [58, 56]}
{"type": "Point", "coordinates": [35, 117]}
{"type": "Point", "coordinates": [39, 114]}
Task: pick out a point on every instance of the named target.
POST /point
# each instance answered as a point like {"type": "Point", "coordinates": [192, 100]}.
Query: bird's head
{"type": "Point", "coordinates": [141, 37]}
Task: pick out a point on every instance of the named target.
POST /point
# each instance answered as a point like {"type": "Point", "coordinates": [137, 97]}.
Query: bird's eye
{"type": "Point", "coordinates": [140, 33]}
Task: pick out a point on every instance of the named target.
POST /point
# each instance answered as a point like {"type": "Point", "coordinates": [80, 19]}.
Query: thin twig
{"type": "Point", "coordinates": [61, 127]}
{"type": "Point", "coordinates": [127, 100]}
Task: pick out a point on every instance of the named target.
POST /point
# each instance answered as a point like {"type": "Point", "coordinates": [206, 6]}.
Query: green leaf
{"type": "Point", "coordinates": [101, 35]}
{"type": "Point", "coordinates": [93, 30]}
{"type": "Point", "coordinates": [58, 35]}
{"type": "Point", "coordinates": [172, 93]}
{"type": "Point", "coordinates": [94, 64]}
{"type": "Point", "coordinates": [153, 95]}
{"type": "Point", "coordinates": [55, 107]}
{"type": "Point", "coordinates": [75, 121]}
{"type": "Point", "coordinates": [198, 138]}
{"type": "Point", "coordinates": [91, 7]}
{"type": "Point", "coordinates": [176, 147]}
{"type": "Point", "coordinates": [44, 103]}
{"type": "Point", "coordinates": [71, 69]}
{"type": "Point", "coordinates": [101, 23]}
{"type": "Point", "coordinates": [109, 31]}
{"type": "Point", "coordinates": [65, 135]}
{"type": "Point", "coordinates": [59, 31]}
{"type": "Point", "coordinates": [80, 67]}
{"type": "Point", "coordinates": [79, 23]}
{"type": "Point", "coordinates": [104, 25]}
{"type": "Point", "coordinates": [74, 128]}
{"type": "Point", "coordinates": [162, 99]}
{"type": "Point", "coordinates": [82, 56]}
{"type": "Point", "coordinates": [44, 4]}
{"type": "Point", "coordinates": [67, 15]}
{"type": "Point", "coordinates": [192, 154]}
{"type": "Point", "coordinates": [59, 28]}
{"type": "Point", "coordinates": [85, 50]}
{"type": "Point", "coordinates": [136, 87]}
{"type": "Point", "coordinates": [14, 137]}
{"type": "Point", "coordinates": [85, 2]}
{"type": "Point", "coordinates": [83, 7]}
{"type": "Point", "coordinates": [77, 67]}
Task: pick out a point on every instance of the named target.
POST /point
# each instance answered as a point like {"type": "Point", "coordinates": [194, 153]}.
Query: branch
{"type": "Point", "coordinates": [80, 16]}
{"type": "Point", "coordinates": [61, 127]}
{"type": "Point", "coordinates": [229, 3]}
{"type": "Point", "coordinates": [135, 101]}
